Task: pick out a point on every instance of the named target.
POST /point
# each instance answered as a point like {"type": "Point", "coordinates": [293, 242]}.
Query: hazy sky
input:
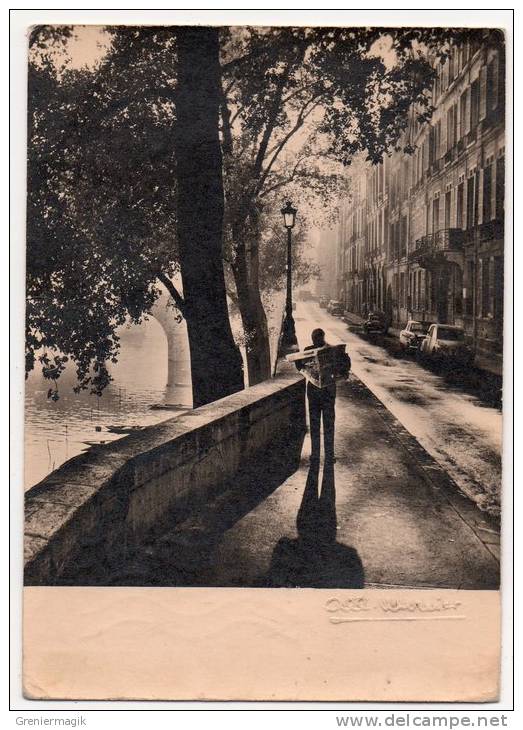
{"type": "Point", "coordinates": [86, 47]}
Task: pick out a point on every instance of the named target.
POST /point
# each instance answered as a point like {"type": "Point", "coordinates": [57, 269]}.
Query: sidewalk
{"type": "Point", "coordinates": [386, 516]}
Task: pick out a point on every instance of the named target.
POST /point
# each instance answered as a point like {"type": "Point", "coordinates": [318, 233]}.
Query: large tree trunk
{"type": "Point", "coordinates": [216, 362]}
{"type": "Point", "coordinates": [254, 321]}
{"type": "Point", "coordinates": [252, 312]}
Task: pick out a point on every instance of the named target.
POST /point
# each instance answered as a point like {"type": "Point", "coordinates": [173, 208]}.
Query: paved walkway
{"type": "Point", "coordinates": [384, 516]}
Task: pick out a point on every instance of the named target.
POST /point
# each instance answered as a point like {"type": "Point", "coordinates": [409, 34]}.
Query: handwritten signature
{"type": "Point", "coordinates": [392, 609]}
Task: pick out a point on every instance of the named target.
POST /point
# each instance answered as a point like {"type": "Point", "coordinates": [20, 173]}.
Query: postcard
{"type": "Point", "coordinates": [213, 213]}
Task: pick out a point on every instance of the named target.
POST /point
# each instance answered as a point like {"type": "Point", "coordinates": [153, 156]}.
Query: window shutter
{"type": "Point", "coordinates": [467, 112]}
{"type": "Point", "coordinates": [479, 287]}
{"type": "Point", "coordinates": [483, 93]}
{"type": "Point", "coordinates": [450, 129]}
{"type": "Point", "coordinates": [495, 82]}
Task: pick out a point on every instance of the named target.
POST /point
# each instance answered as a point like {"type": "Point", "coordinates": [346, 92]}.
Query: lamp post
{"type": "Point", "coordinates": [289, 343]}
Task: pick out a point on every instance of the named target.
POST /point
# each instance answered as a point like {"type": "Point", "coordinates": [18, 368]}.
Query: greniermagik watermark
{"type": "Point", "coordinates": [52, 721]}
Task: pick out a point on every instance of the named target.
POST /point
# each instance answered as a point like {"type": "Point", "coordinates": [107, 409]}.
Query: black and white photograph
{"type": "Point", "coordinates": [264, 306]}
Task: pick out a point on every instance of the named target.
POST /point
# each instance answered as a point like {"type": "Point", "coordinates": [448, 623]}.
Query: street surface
{"type": "Point", "coordinates": [385, 515]}
{"type": "Point", "coordinates": [457, 427]}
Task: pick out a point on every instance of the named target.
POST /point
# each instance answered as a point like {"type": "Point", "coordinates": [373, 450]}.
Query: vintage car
{"type": "Point", "coordinates": [376, 323]}
{"type": "Point", "coordinates": [413, 335]}
{"type": "Point", "coordinates": [445, 343]}
{"type": "Point", "coordinates": [323, 302]}
{"type": "Point", "coordinates": [335, 308]}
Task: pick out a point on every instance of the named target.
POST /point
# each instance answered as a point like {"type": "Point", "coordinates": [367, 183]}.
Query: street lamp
{"type": "Point", "coordinates": [289, 343]}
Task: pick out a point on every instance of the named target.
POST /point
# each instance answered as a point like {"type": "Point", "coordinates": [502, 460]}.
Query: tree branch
{"type": "Point", "coordinates": [229, 86]}
{"type": "Point", "coordinates": [299, 123]}
{"type": "Point", "coordinates": [173, 291]}
{"type": "Point", "coordinates": [271, 119]}
{"type": "Point", "coordinates": [237, 113]}
{"type": "Point", "coordinates": [287, 180]}
{"type": "Point", "coordinates": [232, 296]}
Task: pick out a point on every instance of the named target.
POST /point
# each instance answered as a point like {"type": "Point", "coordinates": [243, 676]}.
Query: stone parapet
{"type": "Point", "coordinates": [101, 505]}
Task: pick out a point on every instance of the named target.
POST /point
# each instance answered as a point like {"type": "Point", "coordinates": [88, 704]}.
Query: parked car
{"type": "Point", "coordinates": [445, 343]}
{"type": "Point", "coordinates": [323, 302]}
{"type": "Point", "coordinates": [375, 323]}
{"type": "Point", "coordinates": [413, 335]}
{"type": "Point", "coordinates": [335, 308]}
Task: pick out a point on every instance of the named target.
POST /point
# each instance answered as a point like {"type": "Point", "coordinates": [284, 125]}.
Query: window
{"type": "Point", "coordinates": [485, 288]}
{"type": "Point", "coordinates": [451, 65]}
{"type": "Point", "coordinates": [465, 53]}
{"type": "Point", "coordinates": [492, 85]}
{"type": "Point", "coordinates": [463, 113]}
{"type": "Point", "coordinates": [450, 334]}
{"type": "Point", "coordinates": [474, 104]}
{"type": "Point", "coordinates": [392, 240]}
{"type": "Point", "coordinates": [470, 201]}
{"type": "Point", "coordinates": [500, 187]}
{"type": "Point", "coordinates": [459, 207]}
{"type": "Point", "coordinates": [429, 290]}
{"type": "Point", "coordinates": [476, 198]}
{"type": "Point", "coordinates": [450, 128]}
{"type": "Point", "coordinates": [435, 215]}
{"type": "Point", "coordinates": [432, 145]}
{"type": "Point", "coordinates": [487, 193]}
{"type": "Point", "coordinates": [469, 303]}
{"type": "Point", "coordinates": [448, 199]}
{"type": "Point", "coordinates": [444, 77]}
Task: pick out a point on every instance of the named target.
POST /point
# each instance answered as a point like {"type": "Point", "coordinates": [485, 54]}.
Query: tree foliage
{"type": "Point", "coordinates": [298, 104]}
{"type": "Point", "coordinates": [101, 213]}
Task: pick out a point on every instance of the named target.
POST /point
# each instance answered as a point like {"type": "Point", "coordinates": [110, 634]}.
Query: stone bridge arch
{"type": "Point", "coordinates": [179, 385]}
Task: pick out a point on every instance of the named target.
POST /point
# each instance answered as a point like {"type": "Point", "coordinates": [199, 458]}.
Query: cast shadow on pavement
{"type": "Point", "coordinates": [315, 559]}
{"type": "Point", "coordinates": [184, 554]}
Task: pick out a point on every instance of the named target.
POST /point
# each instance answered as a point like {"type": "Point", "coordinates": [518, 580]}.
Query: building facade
{"type": "Point", "coordinates": [423, 235]}
{"type": "Point", "coordinates": [325, 285]}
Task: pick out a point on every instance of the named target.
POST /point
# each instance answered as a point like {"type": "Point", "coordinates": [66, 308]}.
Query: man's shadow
{"type": "Point", "coordinates": [315, 559]}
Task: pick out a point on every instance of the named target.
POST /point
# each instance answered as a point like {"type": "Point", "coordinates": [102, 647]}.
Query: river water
{"type": "Point", "coordinates": [57, 431]}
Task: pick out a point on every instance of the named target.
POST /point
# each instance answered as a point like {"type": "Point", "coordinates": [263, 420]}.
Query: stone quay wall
{"type": "Point", "coordinates": [100, 506]}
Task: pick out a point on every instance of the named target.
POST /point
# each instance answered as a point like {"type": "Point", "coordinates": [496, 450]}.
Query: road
{"type": "Point", "coordinates": [457, 428]}
{"type": "Point", "coordinates": [385, 515]}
